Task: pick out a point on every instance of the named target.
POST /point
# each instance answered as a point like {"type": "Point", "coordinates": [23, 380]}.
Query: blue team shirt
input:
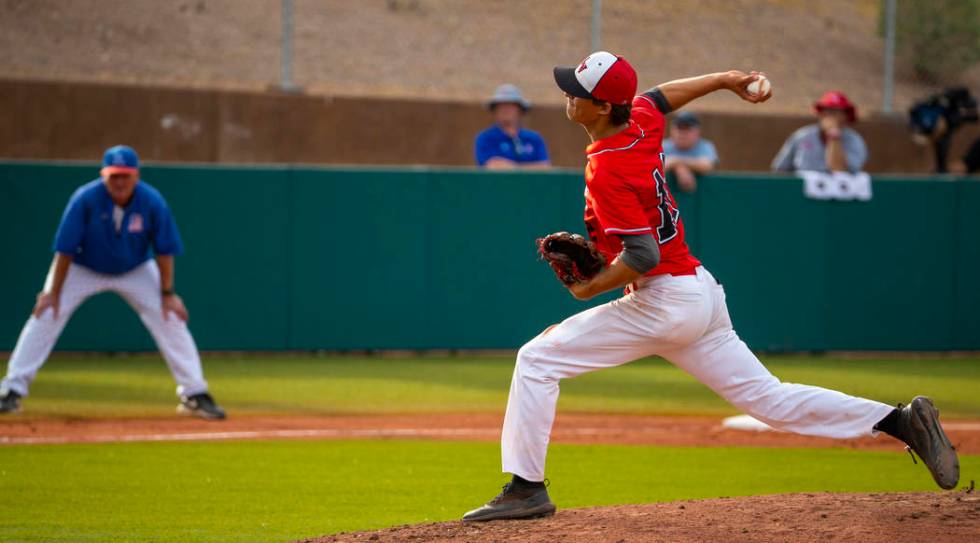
{"type": "Point", "coordinates": [88, 230]}
{"type": "Point", "coordinates": [702, 149]}
{"type": "Point", "coordinates": [528, 146]}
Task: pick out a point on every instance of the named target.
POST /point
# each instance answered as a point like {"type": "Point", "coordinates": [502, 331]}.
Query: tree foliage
{"type": "Point", "coordinates": [937, 39]}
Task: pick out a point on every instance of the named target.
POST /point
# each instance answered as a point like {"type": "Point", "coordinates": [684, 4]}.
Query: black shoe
{"type": "Point", "coordinates": [919, 428]}
{"type": "Point", "coordinates": [200, 405]}
{"type": "Point", "coordinates": [10, 402]}
{"type": "Point", "coordinates": [515, 503]}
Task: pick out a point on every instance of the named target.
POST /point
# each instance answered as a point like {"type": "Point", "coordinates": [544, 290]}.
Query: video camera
{"type": "Point", "coordinates": [935, 119]}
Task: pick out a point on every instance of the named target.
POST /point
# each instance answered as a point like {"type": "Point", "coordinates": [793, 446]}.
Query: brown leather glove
{"type": "Point", "coordinates": [573, 258]}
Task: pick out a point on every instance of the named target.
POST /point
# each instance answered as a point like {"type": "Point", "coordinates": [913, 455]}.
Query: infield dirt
{"type": "Point", "coordinates": [868, 518]}
{"type": "Point", "coordinates": [569, 428]}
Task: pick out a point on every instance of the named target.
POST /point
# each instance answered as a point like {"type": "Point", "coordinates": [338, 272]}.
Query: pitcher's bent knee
{"type": "Point", "coordinates": [532, 361]}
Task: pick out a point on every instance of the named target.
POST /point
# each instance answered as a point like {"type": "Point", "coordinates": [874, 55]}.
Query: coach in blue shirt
{"type": "Point", "coordinates": [109, 226]}
{"type": "Point", "coordinates": [507, 145]}
{"type": "Point", "coordinates": [116, 234]}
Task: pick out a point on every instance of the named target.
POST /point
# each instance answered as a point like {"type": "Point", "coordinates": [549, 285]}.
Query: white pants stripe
{"type": "Point", "coordinates": [685, 320]}
{"type": "Point", "coordinates": [140, 288]}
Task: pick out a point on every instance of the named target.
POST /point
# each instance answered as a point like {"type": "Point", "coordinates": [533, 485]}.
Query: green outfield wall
{"type": "Point", "coordinates": [298, 257]}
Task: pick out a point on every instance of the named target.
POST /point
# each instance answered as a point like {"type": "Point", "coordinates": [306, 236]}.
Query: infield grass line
{"type": "Point", "coordinates": [140, 386]}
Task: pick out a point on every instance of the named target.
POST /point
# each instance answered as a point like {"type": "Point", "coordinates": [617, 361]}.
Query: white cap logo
{"type": "Point", "coordinates": [590, 72]}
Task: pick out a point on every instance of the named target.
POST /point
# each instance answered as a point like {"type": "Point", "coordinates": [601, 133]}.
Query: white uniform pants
{"type": "Point", "coordinates": [685, 320]}
{"type": "Point", "coordinates": [140, 287]}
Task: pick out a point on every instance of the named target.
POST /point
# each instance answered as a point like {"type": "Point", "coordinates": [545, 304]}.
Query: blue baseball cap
{"type": "Point", "coordinates": [686, 119]}
{"type": "Point", "coordinates": [120, 159]}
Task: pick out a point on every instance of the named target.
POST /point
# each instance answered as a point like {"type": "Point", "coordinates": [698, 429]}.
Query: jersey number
{"type": "Point", "coordinates": [668, 213]}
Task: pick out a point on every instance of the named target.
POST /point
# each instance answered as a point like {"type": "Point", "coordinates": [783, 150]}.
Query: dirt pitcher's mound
{"type": "Point", "coordinates": [868, 518]}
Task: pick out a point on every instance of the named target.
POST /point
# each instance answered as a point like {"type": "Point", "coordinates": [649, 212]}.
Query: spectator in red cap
{"type": "Point", "coordinates": [829, 144]}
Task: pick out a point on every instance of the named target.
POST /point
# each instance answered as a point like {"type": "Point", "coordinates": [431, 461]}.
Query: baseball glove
{"type": "Point", "coordinates": [573, 258]}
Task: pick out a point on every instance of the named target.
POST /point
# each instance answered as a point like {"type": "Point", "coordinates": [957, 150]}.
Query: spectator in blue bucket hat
{"type": "Point", "coordinates": [507, 145]}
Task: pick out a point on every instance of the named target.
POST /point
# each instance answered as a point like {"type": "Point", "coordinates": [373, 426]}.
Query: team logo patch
{"type": "Point", "coordinates": [135, 224]}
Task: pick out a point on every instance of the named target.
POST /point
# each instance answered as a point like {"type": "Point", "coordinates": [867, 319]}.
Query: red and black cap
{"type": "Point", "coordinates": [836, 100]}
{"type": "Point", "coordinates": [601, 76]}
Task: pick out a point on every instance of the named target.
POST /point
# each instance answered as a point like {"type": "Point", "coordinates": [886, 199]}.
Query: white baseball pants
{"type": "Point", "coordinates": [140, 287]}
{"type": "Point", "coordinates": [685, 320]}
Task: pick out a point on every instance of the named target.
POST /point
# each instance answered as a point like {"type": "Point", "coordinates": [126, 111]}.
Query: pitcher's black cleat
{"type": "Point", "coordinates": [919, 428]}
{"type": "Point", "coordinates": [515, 503]}
{"type": "Point", "coordinates": [10, 402]}
{"type": "Point", "coordinates": [200, 405]}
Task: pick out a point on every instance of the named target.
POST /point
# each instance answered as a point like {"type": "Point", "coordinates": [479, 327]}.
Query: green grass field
{"type": "Point", "coordinates": [277, 491]}
{"type": "Point", "coordinates": [283, 490]}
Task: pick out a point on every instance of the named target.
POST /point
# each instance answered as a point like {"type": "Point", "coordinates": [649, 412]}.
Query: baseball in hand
{"type": "Point", "coordinates": [759, 87]}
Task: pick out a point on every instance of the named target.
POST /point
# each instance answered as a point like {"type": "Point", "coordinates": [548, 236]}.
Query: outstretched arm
{"type": "Point", "coordinates": [679, 92]}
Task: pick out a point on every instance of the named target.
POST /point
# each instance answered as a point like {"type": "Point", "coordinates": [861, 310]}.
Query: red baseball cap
{"type": "Point", "coordinates": [601, 76]}
{"type": "Point", "coordinates": [836, 100]}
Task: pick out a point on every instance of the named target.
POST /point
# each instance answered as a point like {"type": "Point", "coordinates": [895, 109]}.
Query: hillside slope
{"type": "Point", "coordinates": [448, 49]}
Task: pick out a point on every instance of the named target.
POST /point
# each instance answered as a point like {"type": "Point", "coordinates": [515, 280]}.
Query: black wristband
{"type": "Point", "coordinates": [167, 292]}
{"type": "Point", "coordinates": [659, 99]}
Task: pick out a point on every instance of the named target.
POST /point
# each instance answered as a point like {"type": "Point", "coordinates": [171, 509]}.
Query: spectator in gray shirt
{"type": "Point", "coordinates": [829, 145]}
{"type": "Point", "coordinates": [688, 154]}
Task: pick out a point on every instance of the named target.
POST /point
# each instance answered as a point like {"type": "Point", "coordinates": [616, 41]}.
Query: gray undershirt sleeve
{"type": "Point", "coordinates": [640, 252]}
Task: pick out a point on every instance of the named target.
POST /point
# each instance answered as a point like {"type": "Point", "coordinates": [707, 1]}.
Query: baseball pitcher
{"type": "Point", "coordinates": [673, 307]}
{"type": "Point", "coordinates": [107, 235]}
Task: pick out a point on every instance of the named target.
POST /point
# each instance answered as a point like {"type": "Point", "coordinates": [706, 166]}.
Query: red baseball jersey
{"type": "Point", "coordinates": [626, 191]}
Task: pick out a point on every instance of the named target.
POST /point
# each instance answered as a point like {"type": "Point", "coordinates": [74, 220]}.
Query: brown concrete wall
{"type": "Point", "coordinates": [64, 120]}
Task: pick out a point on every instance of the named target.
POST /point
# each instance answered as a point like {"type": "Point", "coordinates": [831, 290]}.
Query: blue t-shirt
{"type": "Point", "coordinates": [702, 149]}
{"type": "Point", "coordinates": [528, 146]}
{"type": "Point", "coordinates": [88, 230]}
